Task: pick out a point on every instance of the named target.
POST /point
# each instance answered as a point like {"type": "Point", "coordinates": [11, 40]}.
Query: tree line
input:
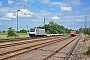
{"type": "Point", "coordinates": [21, 31]}
{"type": "Point", "coordinates": [54, 28]}
{"type": "Point", "coordinates": [84, 30]}
{"type": "Point", "coordinates": [51, 28]}
{"type": "Point", "coordinates": [59, 29]}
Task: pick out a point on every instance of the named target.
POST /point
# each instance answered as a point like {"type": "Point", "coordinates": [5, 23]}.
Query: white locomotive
{"type": "Point", "coordinates": [35, 32]}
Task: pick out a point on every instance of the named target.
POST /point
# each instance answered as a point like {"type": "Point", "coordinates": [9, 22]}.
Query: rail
{"type": "Point", "coordinates": [26, 48]}
{"type": "Point", "coordinates": [59, 49]}
{"type": "Point", "coordinates": [72, 49]}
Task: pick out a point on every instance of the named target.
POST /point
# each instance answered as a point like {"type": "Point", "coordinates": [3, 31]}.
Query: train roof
{"type": "Point", "coordinates": [73, 30]}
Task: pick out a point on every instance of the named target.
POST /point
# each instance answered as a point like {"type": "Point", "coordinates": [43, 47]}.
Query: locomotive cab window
{"type": "Point", "coordinates": [32, 30]}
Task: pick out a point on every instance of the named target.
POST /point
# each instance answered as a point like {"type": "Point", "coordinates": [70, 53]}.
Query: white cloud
{"type": "Point", "coordinates": [55, 18]}
{"type": "Point", "coordinates": [45, 1]}
{"type": "Point", "coordinates": [59, 3]}
{"type": "Point", "coordinates": [65, 8]}
{"type": "Point", "coordinates": [37, 20]}
{"type": "Point", "coordinates": [43, 11]}
{"type": "Point", "coordinates": [0, 3]}
{"type": "Point", "coordinates": [21, 13]}
{"type": "Point", "coordinates": [79, 20]}
{"type": "Point", "coordinates": [24, 13]}
{"type": "Point", "coordinates": [10, 15]}
{"type": "Point", "coordinates": [10, 2]}
{"type": "Point", "coordinates": [4, 18]}
{"type": "Point", "coordinates": [28, 0]}
{"type": "Point", "coordinates": [76, 2]}
{"type": "Point", "coordinates": [87, 8]}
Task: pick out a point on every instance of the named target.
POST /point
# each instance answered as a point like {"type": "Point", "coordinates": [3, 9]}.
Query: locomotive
{"type": "Point", "coordinates": [73, 33]}
{"type": "Point", "coordinates": [36, 32]}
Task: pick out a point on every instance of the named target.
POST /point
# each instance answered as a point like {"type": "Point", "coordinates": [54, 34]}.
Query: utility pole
{"type": "Point", "coordinates": [85, 25]}
{"type": "Point", "coordinates": [44, 22]}
{"type": "Point", "coordinates": [17, 22]}
{"type": "Point", "coordinates": [27, 29]}
{"type": "Point", "coordinates": [85, 21]}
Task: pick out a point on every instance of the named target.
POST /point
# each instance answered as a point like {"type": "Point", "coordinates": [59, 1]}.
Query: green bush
{"type": "Point", "coordinates": [11, 33]}
{"type": "Point", "coordinates": [88, 51]}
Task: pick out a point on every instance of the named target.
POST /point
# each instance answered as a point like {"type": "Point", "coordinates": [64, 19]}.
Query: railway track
{"type": "Point", "coordinates": [14, 53]}
{"type": "Point", "coordinates": [72, 49]}
{"type": "Point", "coordinates": [55, 51]}
{"type": "Point", "coordinates": [24, 42]}
{"type": "Point", "coordinates": [58, 50]}
{"type": "Point", "coordinates": [22, 39]}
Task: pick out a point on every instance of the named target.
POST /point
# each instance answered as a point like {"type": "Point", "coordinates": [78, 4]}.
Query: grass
{"type": "Point", "coordinates": [88, 51]}
{"type": "Point", "coordinates": [87, 36]}
{"type": "Point", "coordinates": [21, 35]}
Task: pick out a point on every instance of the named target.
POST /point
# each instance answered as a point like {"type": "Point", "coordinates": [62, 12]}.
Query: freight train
{"type": "Point", "coordinates": [36, 32]}
{"type": "Point", "coordinates": [73, 33]}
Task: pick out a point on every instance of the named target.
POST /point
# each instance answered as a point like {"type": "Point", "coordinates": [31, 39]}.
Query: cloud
{"type": "Point", "coordinates": [65, 8]}
{"type": "Point", "coordinates": [24, 13]}
{"type": "Point", "coordinates": [28, 0]}
{"type": "Point", "coordinates": [59, 3]}
{"type": "Point", "coordinates": [10, 15]}
{"type": "Point", "coordinates": [87, 8]}
{"type": "Point", "coordinates": [55, 18]}
{"type": "Point", "coordinates": [21, 13]}
{"type": "Point", "coordinates": [23, 4]}
{"type": "Point", "coordinates": [37, 20]}
{"type": "Point", "coordinates": [45, 1]}
{"type": "Point", "coordinates": [25, 20]}
{"type": "Point", "coordinates": [4, 18]}
{"type": "Point", "coordinates": [10, 2]}
{"type": "Point", "coordinates": [0, 3]}
{"type": "Point", "coordinates": [43, 11]}
{"type": "Point", "coordinates": [76, 2]}
{"type": "Point", "coordinates": [79, 20]}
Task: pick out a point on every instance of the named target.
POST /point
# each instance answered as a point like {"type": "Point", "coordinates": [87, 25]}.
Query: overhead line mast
{"type": "Point", "coordinates": [85, 22]}
{"type": "Point", "coordinates": [44, 22]}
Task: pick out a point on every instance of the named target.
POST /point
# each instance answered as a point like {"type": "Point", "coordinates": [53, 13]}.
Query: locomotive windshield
{"type": "Point", "coordinates": [32, 30]}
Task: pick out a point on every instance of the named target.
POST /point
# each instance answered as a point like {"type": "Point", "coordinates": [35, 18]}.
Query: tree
{"type": "Point", "coordinates": [54, 28]}
{"type": "Point", "coordinates": [3, 31]}
{"type": "Point", "coordinates": [23, 31]}
{"type": "Point", "coordinates": [11, 32]}
{"type": "Point", "coordinates": [84, 30]}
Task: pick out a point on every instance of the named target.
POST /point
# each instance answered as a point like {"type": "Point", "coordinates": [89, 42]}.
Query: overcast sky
{"type": "Point", "coordinates": [69, 13]}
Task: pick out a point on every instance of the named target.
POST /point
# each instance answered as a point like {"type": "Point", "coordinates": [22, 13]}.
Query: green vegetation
{"type": "Point", "coordinates": [53, 28]}
{"type": "Point", "coordinates": [21, 35]}
{"type": "Point", "coordinates": [88, 51]}
{"type": "Point", "coordinates": [84, 30]}
{"type": "Point", "coordinates": [23, 31]}
{"type": "Point", "coordinates": [11, 33]}
{"type": "Point", "coordinates": [87, 36]}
